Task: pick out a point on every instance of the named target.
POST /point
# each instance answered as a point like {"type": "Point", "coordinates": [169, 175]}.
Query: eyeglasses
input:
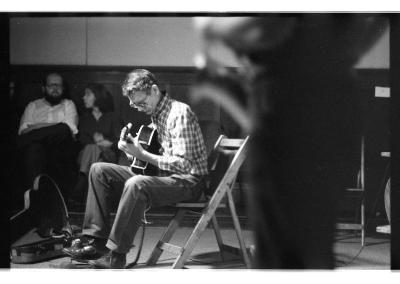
{"type": "Point", "coordinates": [143, 103]}
{"type": "Point", "coordinates": [140, 104]}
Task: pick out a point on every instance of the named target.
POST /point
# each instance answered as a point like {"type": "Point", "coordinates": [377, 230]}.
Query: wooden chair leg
{"type": "Point", "coordinates": [363, 221]}
{"type": "Point", "coordinates": [193, 239]}
{"type": "Point", "coordinates": [238, 230]}
{"type": "Point", "coordinates": [166, 237]}
{"type": "Point", "coordinates": [218, 237]}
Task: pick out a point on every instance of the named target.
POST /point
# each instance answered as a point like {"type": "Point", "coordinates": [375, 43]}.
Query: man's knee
{"type": "Point", "coordinates": [62, 130]}
{"type": "Point", "coordinates": [137, 185]}
{"type": "Point", "coordinates": [97, 169]}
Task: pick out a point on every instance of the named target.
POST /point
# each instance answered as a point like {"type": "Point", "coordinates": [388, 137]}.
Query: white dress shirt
{"type": "Point", "coordinates": [40, 111]}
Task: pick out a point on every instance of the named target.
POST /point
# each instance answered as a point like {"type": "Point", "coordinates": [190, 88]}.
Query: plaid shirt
{"type": "Point", "coordinates": [183, 150]}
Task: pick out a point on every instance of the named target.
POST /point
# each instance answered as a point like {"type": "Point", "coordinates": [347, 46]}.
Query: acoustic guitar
{"type": "Point", "coordinates": [148, 139]}
{"type": "Point", "coordinates": [41, 230]}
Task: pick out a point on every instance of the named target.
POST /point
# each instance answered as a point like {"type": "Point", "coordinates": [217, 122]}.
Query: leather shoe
{"type": "Point", "coordinates": [111, 260]}
{"type": "Point", "coordinates": [86, 249]}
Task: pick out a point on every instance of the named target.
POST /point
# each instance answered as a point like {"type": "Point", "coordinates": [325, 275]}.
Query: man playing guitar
{"type": "Point", "coordinates": [181, 166]}
{"type": "Point", "coordinates": [148, 139]}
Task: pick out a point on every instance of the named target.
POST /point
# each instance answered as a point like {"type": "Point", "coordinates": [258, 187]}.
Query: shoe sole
{"type": "Point", "coordinates": [94, 264]}
{"type": "Point", "coordinates": [72, 265]}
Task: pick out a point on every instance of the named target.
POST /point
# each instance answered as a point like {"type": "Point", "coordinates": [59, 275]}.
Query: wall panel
{"type": "Point", "coordinates": [377, 57]}
{"type": "Point", "coordinates": [48, 40]}
{"type": "Point", "coordinates": [141, 41]}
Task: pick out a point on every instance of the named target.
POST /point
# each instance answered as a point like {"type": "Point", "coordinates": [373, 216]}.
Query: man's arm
{"type": "Point", "coordinates": [187, 147]}
{"type": "Point", "coordinates": [187, 143]}
{"type": "Point", "coordinates": [31, 127]}
{"type": "Point", "coordinates": [136, 150]}
{"type": "Point", "coordinates": [26, 119]}
{"type": "Point", "coordinates": [27, 123]}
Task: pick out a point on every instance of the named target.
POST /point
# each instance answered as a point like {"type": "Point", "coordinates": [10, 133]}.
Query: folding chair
{"type": "Point", "coordinates": [224, 162]}
{"type": "Point", "coordinates": [359, 193]}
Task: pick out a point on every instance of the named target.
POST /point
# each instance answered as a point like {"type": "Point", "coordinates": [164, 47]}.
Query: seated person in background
{"type": "Point", "coordinates": [98, 135]}
{"type": "Point", "coordinates": [182, 166]}
{"type": "Point", "coordinates": [46, 136]}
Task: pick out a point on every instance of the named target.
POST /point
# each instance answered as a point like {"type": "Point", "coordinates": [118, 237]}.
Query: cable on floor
{"type": "Point", "coordinates": [382, 188]}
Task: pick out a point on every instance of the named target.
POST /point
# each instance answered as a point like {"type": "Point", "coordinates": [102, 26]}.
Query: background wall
{"type": "Point", "coordinates": [378, 55]}
{"type": "Point", "coordinates": [141, 41]}
{"type": "Point", "coordinates": [126, 41]}
{"type": "Point", "coordinates": [166, 45]}
{"type": "Point", "coordinates": [48, 41]}
{"type": "Point", "coordinates": [107, 41]}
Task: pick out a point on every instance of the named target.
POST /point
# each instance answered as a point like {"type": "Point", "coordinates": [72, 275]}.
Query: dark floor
{"type": "Point", "coordinates": [374, 255]}
{"type": "Point", "coordinates": [348, 251]}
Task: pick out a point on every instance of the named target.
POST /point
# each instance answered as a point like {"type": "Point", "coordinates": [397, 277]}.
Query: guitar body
{"type": "Point", "coordinates": [148, 139]}
{"type": "Point", "coordinates": [44, 209]}
{"type": "Point", "coordinates": [41, 230]}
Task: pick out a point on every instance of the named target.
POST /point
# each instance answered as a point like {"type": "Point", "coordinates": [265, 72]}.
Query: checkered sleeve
{"type": "Point", "coordinates": [187, 152]}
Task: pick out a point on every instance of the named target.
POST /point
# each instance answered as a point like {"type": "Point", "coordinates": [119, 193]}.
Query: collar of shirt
{"type": "Point", "coordinates": [161, 107]}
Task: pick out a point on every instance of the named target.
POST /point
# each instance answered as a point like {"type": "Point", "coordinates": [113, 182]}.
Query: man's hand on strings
{"type": "Point", "coordinates": [134, 148]}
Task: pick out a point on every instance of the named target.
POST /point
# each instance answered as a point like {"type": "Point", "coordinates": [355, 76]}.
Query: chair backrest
{"type": "Point", "coordinates": [224, 161]}
{"type": "Point", "coordinates": [211, 131]}
{"type": "Point", "coordinates": [361, 180]}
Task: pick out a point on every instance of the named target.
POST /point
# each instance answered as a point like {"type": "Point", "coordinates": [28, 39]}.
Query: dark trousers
{"type": "Point", "coordinates": [113, 186]}
{"type": "Point", "coordinates": [49, 150]}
